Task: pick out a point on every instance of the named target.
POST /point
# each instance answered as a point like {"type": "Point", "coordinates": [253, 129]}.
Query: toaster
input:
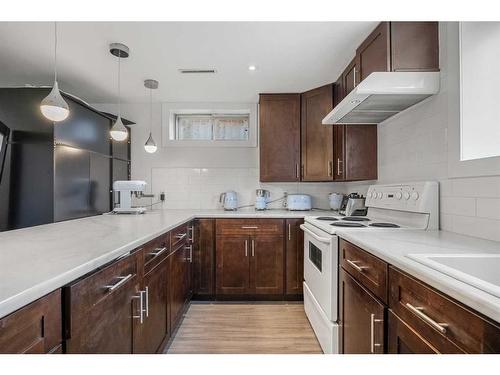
{"type": "Point", "coordinates": [298, 202]}
{"type": "Point", "coordinates": [353, 205]}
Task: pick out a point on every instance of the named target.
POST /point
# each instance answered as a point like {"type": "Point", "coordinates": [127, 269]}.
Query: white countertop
{"type": "Point", "coordinates": [35, 261]}
{"type": "Point", "coordinates": [393, 246]}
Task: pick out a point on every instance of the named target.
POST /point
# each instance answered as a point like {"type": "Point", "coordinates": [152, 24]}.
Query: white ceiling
{"type": "Point", "coordinates": [290, 56]}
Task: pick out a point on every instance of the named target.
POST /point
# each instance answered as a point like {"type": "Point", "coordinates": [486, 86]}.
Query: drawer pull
{"type": "Point", "coordinates": [373, 344]}
{"type": "Point", "coordinates": [418, 311]}
{"type": "Point", "coordinates": [157, 251]}
{"type": "Point", "coordinates": [122, 280]}
{"type": "Point", "coordinates": [246, 248]}
{"type": "Point", "coordinates": [190, 248]}
{"type": "Point", "coordinates": [180, 236]}
{"type": "Point", "coordinates": [356, 267]}
{"type": "Point", "coordinates": [191, 230]}
{"type": "Point", "coordinates": [249, 227]}
{"type": "Point", "coordinates": [141, 307]}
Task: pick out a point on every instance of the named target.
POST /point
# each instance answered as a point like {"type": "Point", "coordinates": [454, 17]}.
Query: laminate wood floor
{"type": "Point", "coordinates": [245, 328]}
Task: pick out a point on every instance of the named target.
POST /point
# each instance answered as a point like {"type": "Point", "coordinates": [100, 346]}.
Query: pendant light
{"type": "Point", "coordinates": [118, 130]}
{"type": "Point", "coordinates": [150, 145]}
{"type": "Point", "coordinates": [54, 107]}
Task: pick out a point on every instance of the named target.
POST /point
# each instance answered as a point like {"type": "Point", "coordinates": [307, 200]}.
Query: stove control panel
{"type": "Point", "coordinates": [412, 197]}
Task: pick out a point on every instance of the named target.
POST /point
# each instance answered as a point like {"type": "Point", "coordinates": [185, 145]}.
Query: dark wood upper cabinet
{"type": "Point", "coordinates": [399, 46]}
{"type": "Point", "coordinates": [279, 134]}
{"type": "Point", "coordinates": [362, 318]}
{"type": "Point", "coordinates": [33, 329]}
{"type": "Point", "coordinates": [294, 247]}
{"type": "Point", "coordinates": [317, 139]}
{"type": "Point", "coordinates": [349, 79]}
{"type": "Point", "coordinates": [204, 258]}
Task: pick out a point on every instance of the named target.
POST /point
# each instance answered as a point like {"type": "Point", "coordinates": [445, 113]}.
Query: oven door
{"type": "Point", "coordinates": [320, 268]}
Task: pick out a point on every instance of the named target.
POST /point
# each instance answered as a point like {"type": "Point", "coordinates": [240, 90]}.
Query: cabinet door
{"type": "Point", "coordinates": [154, 328]}
{"type": "Point", "coordinates": [33, 329]}
{"type": "Point", "coordinates": [349, 78]}
{"type": "Point", "coordinates": [360, 152]}
{"type": "Point", "coordinates": [402, 339]}
{"type": "Point", "coordinates": [361, 318]}
{"type": "Point", "coordinates": [373, 55]}
{"type": "Point", "coordinates": [317, 139]}
{"type": "Point", "coordinates": [266, 265]}
{"type": "Point", "coordinates": [279, 124]}
{"type": "Point", "coordinates": [177, 285]}
{"type": "Point", "coordinates": [233, 259]}
{"type": "Point", "coordinates": [338, 152]}
{"type": "Point", "coordinates": [204, 258]}
{"type": "Point", "coordinates": [294, 257]}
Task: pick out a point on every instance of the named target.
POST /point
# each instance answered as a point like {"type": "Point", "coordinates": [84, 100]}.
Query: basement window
{"type": "Point", "coordinates": [212, 127]}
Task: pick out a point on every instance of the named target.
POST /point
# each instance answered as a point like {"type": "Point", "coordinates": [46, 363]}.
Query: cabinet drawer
{"type": "Point", "coordinates": [241, 227]}
{"type": "Point", "coordinates": [156, 251]}
{"type": "Point", "coordinates": [179, 236]}
{"type": "Point", "coordinates": [445, 324]}
{"type": "Point", "coordinates": [369, 270]}
{"type": "Point", "coordinates": [35, 328]}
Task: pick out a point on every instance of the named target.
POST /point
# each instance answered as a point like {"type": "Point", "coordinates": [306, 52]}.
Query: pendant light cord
{"type": "Point", "coordinates": [150, 111]}
{"type": "Point", "coordinates": [119, 88]}
{"type": "Point", "coordinates": [55, 51]}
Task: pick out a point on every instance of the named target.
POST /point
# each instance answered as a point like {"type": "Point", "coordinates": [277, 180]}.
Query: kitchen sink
{"type": "Point", "coordinates": [479, 270]}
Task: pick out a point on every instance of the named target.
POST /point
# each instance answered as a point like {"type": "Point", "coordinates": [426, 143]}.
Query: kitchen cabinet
{"type": "Point", "coordinates": [279, 137]}
{"type": "Point", "coordinates": [317, 139]}
{"type": "Point", "coordinates": [355, 152]}
{"type": "Point", "coordinates": [101, 309]}
{"type": "Point", "coordinates": [399, 46]}
{"type": "Point", "coordinates": [294, 269]}
{"type": "Point", "coordinates": [349, 79]}
{"type": "Point", "coordinates": [150, 335]}
{"type": "Point", "coordinates": [33, 329]}
{"type": "Point", "coordinates": [362, 318]}
{"type": "Point", "coordinates": [204, 259]}
{"type": "Point", "coordinates": [250, 257]}
{"type": "Point", "coordinates": [402, 339]}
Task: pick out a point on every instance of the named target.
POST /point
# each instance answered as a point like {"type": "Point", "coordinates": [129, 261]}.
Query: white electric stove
{"type": "Point", "coordinates": [413, 206]}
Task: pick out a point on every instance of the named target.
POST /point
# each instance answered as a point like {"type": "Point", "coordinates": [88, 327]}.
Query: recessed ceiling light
{"type": "Point", "coordinates": [252, 67]}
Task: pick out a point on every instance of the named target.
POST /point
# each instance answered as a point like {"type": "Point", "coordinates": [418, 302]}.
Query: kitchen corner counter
{"type": "Point", "coordinates": [393, 245]}
{"type": "Point", "coordinates": [37, 260]}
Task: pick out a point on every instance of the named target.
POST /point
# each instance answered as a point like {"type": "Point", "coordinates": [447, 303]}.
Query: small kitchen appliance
{"type": "Point", "coordinates": [353, 205]}
{"type": "Point", "coordinates": [229, 200]}
{"type": "Point", "coordinates": [335, 200]}
{"type": "Point", "coordinates": [409, 206]}
{"type": "Point", "coordinates": [298, 202]}
{"type": "Point", "coordinates": [261, 198]}
{"type": "Point", "coordinates": [126, 190]}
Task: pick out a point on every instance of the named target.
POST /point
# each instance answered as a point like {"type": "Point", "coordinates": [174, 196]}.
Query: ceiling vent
{"type": "Point", "coordinates": [198, 71]}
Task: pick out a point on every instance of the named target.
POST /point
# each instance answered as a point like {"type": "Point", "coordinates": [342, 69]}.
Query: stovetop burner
{"type": "Point", "coordinates": [355, 218]}
{"type": "Point", "coordinates": [327, 218]}
{"type": "Point", "coordinates": [347, 224]}
{"type": "Point", "coordinates": [384, 225]}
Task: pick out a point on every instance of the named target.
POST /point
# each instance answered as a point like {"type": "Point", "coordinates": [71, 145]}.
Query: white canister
{"type": "Point", "coordinates": [335, 200]}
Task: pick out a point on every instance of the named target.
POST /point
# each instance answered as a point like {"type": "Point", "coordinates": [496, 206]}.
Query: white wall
{"type": "Point", "coordinates": [193, 177]}
{"type": "Point", "coordinates": [414, 146]}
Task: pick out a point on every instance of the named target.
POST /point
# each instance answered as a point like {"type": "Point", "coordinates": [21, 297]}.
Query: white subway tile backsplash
{"type": "Point", "coordinates": [458, 206]}
{"type": "Point", "coordinates": [484, 187]}
{"type": "Point", "coordinates": [489, 208]}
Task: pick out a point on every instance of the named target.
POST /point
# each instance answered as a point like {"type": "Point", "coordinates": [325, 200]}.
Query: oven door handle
{"type": "Point", "coordinates": [310, 232]}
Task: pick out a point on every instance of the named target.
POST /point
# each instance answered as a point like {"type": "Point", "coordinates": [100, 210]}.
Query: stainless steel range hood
{"type": "Point", "coordinates": [382, 95]}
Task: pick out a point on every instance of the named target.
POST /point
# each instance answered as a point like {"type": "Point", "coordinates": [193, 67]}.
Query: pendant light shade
{"type": "Point", "coordinates": [150, 145]}
{"type": "Point", "coordinates": [53, 107]}
{"type": "Point", "coordinates": [118, 131]}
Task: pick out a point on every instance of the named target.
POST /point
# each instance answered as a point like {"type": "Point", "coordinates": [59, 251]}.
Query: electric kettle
{"type": "Point", "coordinates": [229, 200]}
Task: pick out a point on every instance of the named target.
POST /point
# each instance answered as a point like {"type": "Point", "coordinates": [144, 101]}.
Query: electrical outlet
{"type": "Point", "coordinates": [162, 196]}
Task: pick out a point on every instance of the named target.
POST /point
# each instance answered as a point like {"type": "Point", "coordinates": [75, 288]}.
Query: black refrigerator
{"type": "Point", "coordinates": [55, 171]}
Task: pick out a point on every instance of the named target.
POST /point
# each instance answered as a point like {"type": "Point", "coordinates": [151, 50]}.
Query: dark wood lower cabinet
{"type": "Point", "coordinates": [204, 259]}
{"type": "Point", "coordinates": [33, 329]}
{"type": "Point", "coordinates": [266, 265]}
{"type": "Point", "coordinates": [362, 318]}
{"type": "Point", "coordinates": [178, 287]}
{"type": "Point", "coordinates": [294, 247]}
{"type": "Point", "coordinates": [155, 328]}
{"type": "Point", "coordinates": [402, 339]}
{"type": "Point", "coordinates": [233, 265]}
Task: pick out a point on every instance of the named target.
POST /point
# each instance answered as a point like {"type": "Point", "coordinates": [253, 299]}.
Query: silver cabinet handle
{"type": "Point", "coordinates": [330, 168]}
{"type": "Point", "coordinates": [249, 227]}
{"type": "Point", "coordinates": [146, 291]}
{"type": "Point", "coordinates": [289, 232]}
{"type": "Point", "coordinates": [122, 280]}
{"type": "Point", "coordinates": [339, 172]}
{"type": "Point", "coordinates": [358, 268]}
{"type": "Point", "coordinates": [418, 311]}
{"type": "Point", "coordinates": [246, 248]}
{"type": "Point", "coordinates": [141, 307]}
{"type": "Point", "coordinates": [191, 230]}
{"type": "Point", "coordinates": [297, 170]}
{"type": "Point", "coordinates": [157, 251]}
{"type": "Point", "coordinates": [180, 236]}
{"type": "Point", "coordinates": [373, 344]}
{"type": "Point", "coordinates": [253, 248]}
{"type": "Point", "coordinates": [190, 248]}
{"type": "Point", "coordinates": [354, 78]}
